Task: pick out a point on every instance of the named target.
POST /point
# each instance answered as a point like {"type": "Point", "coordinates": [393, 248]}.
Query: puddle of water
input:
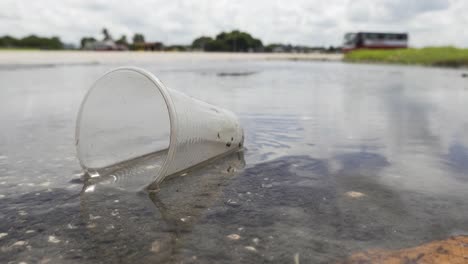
{"type": "Point", "coordinates": [339, 159]}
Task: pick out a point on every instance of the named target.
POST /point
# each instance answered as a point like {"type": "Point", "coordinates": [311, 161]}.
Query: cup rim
{"type": "Point", "coordinates": [170, 108]}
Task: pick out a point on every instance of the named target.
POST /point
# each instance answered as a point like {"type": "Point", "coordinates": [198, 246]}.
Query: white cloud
{"type": "Point", "coordinates": [309, 22]}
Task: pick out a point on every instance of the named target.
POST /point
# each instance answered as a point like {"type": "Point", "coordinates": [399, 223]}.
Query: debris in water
{"type": "Point", "coordinates": [234, 237]}
{"type": "Point", "coordinates": [249, 248]}
{"type": "Point", "coordinates": [155, 247]}
{"type": "Point", "coordinates": [19, 243]}
{"type": "Point", "coordinates": [22, 212]}
{"type": "Point", "coordinates": [90, 188]}
{"type": "Point", "coordinates": [256, 241]}
{"type": "Point", "coordinates": [45, 184]}
{"type": "Point", "coordinates": [354, 194]}
{"type": "Point", "coordinates": [3, 235]}
{"type": "Point", "coordinates": [232, 203]}
{"type": "Point", "coordinates": [53, 239]}
{"type": "Point", "coordinates": [185, 219]}
{"type": "Point", "coordinates": [30, 231]}
{"type": "Point", "coordinates": [92, 217]}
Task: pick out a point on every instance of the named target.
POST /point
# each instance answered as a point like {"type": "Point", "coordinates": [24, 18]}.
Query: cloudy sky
{"type": "Point", "coordinates": [307, 22]}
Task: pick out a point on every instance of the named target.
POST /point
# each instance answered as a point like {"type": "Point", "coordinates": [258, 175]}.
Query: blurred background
{"type": "Point", "coordinates": [175, 25]}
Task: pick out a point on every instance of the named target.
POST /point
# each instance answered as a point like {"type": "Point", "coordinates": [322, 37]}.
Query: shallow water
{"type": "Point", "coordinates": [339, 158]}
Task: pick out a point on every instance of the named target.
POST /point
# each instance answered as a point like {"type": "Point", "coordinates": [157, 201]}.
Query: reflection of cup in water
{"type": "Point", "coordinates": [153, 221]}
{"type": "Point", "coordinates": [182, 199]}
{"type": "Point", "coordinates": [129, 115]}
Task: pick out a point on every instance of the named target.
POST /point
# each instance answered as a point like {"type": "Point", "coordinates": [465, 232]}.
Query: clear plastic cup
{"type": "Point", "coordinates": [129, 116]}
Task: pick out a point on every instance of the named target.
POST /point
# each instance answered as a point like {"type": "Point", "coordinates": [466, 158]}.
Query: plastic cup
{"type": "Point", "coordinates": [129, 115]}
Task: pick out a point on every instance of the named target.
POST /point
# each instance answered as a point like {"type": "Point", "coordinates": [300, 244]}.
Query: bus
{"type": "Point", "coordinates": [375, 40]}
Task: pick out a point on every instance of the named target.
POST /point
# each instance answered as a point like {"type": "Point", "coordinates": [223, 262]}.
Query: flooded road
{"type": "Point", "coordinates": [339, 159]}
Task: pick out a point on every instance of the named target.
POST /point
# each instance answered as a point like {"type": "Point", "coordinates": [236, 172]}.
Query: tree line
{"type": "Point", "coordinates": [234, 41]}
{"type": "Point", "coordinates": [138, 38]}
{"type": "Point", "coordinates": [31, 42]}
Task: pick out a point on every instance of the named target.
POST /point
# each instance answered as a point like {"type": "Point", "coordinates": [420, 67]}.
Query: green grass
{"type": "Point", "coordinates": [433, 56]}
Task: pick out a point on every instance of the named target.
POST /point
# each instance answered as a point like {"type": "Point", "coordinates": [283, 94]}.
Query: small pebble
{"type": "Point", "coordinates": [90, 189]}
{"type": "Point", "coordinates": [3, 235]}
{"type": "Point", "coordinates": [19, 243]}
{"type": "Point", "coordinates": [53, 239]}
{"type": "Point", "coordinates": [249, 248]}
{"type": "Point", "coordinates": [232, 203]}
{"type": "Point", "coordinates": [354, 194]}
{"type": "Point", "coordinates": [92, 217]}
{"type": "Point", "coordinates": [30, 231]}
{"type": "Point", "coordinates": [256, 240]}
{"type": "Point", "coordinates": [185, 219]}
{"type": "Point", "coordinates": [155, 246]}
{"type": "Point", "coordinates": [2, 196]}
{"type": "Point", "coordinates": [45, 184]}
{"type": "Point", "coordinates": [233, 236]}
{"type": "Point", "coordinates": [22, 213]}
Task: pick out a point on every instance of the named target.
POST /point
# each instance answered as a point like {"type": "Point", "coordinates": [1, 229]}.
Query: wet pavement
{"type": "Point", "coordinates": [339, 159]}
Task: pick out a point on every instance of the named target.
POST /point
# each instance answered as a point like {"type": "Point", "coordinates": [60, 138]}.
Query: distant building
{"type": "Point", "coordinates": [103, 45]}
{"type": "Point", "coordinates": [278, 49]}
{"type": "Point", "coordinates": [375, 40]}
{"type": "Point", "coordinates": [148, 46]}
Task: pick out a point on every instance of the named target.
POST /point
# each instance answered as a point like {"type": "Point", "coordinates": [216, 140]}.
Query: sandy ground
{"type": "Point", "coordinates": [90, 57]}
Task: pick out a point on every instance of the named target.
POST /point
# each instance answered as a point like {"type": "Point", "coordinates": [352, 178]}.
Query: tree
{"type": "Point", "coordinates": [8, 41]}
{"type": "Point", "coordinates": [107, 35]}
{"type": "Point", "coordinates": [122, 40]}
{"type": "Point", "coordinates": [234, 41]}
{"type": "Point", "coordinates": [138, 38]}
{"type": "Point", "coordinates": [85, 40]}
{"type": "Point", "coordinates": [31, 41]}
{"type": "Point", "coordinates": [216, 45]}
{"type": "Point", "coordinates": [200, 43]}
